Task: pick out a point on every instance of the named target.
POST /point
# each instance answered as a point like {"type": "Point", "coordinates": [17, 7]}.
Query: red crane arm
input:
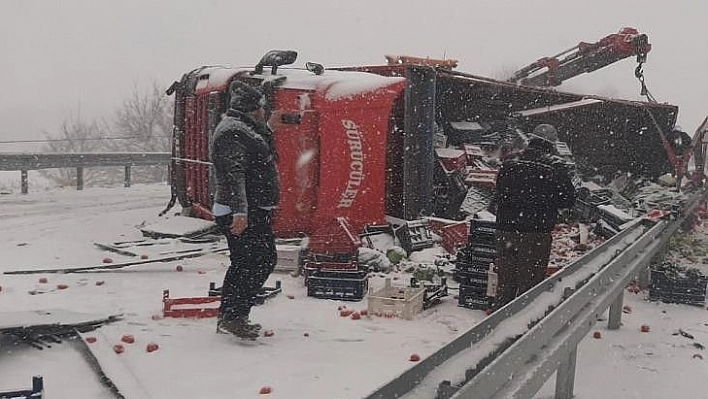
{"type": "Point", "coordinates": [583, 58]}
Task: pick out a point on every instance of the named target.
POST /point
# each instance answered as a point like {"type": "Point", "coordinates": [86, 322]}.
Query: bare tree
{"type": "Point", "coordinates": [145, 124]}
{"type": "Point", "coordinates": [142, 124]}
{"type": "Point", "coordinates": [77, 135]}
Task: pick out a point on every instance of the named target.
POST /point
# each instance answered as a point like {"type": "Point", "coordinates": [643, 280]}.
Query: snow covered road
{"type": "Point", "coordinates": [314, 353]}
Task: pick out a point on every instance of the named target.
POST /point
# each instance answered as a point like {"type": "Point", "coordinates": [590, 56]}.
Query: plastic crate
{"type": "Point", "coordinates": [342, 285]}
{"type": "Point", "coordinates": [192, 307]}
{"type": "Point", "coordinates": [392, 301]}
{"type": "Point", "coordinates": [36, 392]}
{"type": "Point", "coordinates": [471, 277]}
{"type": "Point", "coordinates": [342, 261]}
{"type": "Point", "coordinates": [586, 208]}
{"type": "Point", "coordinates": [482, 232]}
{"type": "Point", "coordinates": [471, 297]}
{"type": "Point", "coordinates": [482, 254]}
{"type": "Point", "coordinates": [415, 235]}
{"type": "Point", "coordinates": [684, 290]}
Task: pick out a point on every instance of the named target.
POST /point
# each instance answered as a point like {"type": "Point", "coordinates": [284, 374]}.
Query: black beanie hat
{"type": "Point", "coordinates": [244, 97]}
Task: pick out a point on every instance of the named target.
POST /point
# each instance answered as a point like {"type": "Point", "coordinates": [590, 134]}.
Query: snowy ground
{"type": "Point", "coordinates": [314, 353]}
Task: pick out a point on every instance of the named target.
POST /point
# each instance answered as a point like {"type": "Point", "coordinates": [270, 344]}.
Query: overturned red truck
{"type": "Point", "coordinates": [360, 142]}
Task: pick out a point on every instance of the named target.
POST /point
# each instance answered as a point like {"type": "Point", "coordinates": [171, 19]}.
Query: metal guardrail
{"type": "Point", "coordinates": [511, 359]}
{"type": "Point", "coordinates": [34, 161]}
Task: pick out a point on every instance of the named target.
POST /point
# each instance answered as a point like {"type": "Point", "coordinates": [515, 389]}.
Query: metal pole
{"type": "Point", "coordinates": [127, 176]}
{"type": "Point", "coordinates": [615, 319]}
{"type": "Point", "coordinates": [24, 182]}
{"type": "Point", "coordinates": [565, 376]}
{"type": "Point", "coordinates": [79, 177]}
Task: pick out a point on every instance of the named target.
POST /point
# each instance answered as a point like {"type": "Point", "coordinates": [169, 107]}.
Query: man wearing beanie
{"type": "Point", "coordinates": [247, 192]}
{"type": "Point", "coordinates": [531, 187]}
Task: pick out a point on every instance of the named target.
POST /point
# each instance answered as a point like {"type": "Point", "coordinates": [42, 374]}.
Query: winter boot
{"type": "Point", "coordinates": [238, 327]}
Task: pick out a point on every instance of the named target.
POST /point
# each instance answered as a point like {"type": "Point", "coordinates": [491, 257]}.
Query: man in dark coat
{"type": "Point", "coordinates": [247, 192]}
{"type": "Point", "coordinates": [531, 187]}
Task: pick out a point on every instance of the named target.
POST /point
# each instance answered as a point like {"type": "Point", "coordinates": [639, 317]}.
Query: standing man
{"type": "Point", "coordinates": [531, 187]}
{"type": "Point", "coordinates": [247, 192]}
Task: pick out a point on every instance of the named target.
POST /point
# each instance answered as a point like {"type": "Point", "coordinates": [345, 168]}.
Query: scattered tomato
{"type": "Point", "coordinates": [364, 312]}
{"type": "Point", "coordinates": [626, 309]}
{"type": "Point", "coordinates": [91, 340]}
{"type": "Point", "coordinates": [128, 339]}
{"type": "Point", "coordinates": [266, 390]}
{"type": "Point", "coordinates": [118, 349]}
{"type": "Point", "coordinates": [268, 333]}
{"type": "Point", "coordinates": [179, 268]}
{"type": "Point", "coordinates": [644, 328]}
{"type": "Point", "coordinates": [414, 358]}
{"type": "Point", "coordinates": [143, 256]}
{"type": "Point", "coordinates": [356, 316]}
{"type": "Point", "coordinates": [152, 347]}
{"type": "Point", "coordinates": [291, 296]}
{"type": "Point", "coordinates": [100, 282]}
{"type": "Point", "coordinates": [43, 280]}
{"type": "Point", "coordinates": [107, 260]}
{"type": "Point", "coordinates": [62, 286]}
{"type": "Point", "coordinates": [597, 335]}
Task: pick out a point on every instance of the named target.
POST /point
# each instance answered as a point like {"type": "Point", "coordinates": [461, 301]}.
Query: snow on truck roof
{"type": "Point", "coordinates": [335, 85]}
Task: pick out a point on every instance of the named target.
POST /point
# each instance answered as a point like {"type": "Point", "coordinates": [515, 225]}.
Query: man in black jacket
{"type": "Point", "coordinates": [531, 187]}
{"type": "Point", "coordinates": [247, 192]}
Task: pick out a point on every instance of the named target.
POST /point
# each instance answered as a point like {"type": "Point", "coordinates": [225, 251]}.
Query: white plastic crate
{"type": "Point", "coordinates": [391, 301]}
{"type": "Point", "coordinates": [288, 258]}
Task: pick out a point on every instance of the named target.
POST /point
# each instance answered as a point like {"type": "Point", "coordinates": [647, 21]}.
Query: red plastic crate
{"type": "Point", "coordinates": [452, 158]}
{"type": "Point", "coordinates": [189, 307]}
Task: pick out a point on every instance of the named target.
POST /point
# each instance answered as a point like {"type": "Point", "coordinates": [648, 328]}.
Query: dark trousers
{"type": "Point", "coordinates": [253, 258]}
{"type": "Point", "coordinates": [521, 264]}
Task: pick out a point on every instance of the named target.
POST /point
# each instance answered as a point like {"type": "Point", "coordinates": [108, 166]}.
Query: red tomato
{"type": "Point", "coordinates": [128, 339]}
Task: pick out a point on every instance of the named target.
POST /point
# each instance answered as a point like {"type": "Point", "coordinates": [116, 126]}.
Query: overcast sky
{"type": "Point", "coordinates": [66, 58]}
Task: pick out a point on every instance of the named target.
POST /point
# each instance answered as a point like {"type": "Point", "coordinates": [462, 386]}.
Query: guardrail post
{"type": "Point", "coordinates": [126, 182]}
{"type": "Point", "coordinates": [615, 319]}
{"type": "Point", "coordinates": [37, 384]}
{"type": "Point", "coordinates": [24, 182]}
{"type": "Point", "coordinates": [79, 177]}
{"type": "Point", "coordinates": [565, 376]}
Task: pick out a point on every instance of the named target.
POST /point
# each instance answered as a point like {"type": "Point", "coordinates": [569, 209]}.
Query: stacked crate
{"type": "Point", "coordinates": [473, 263]}
{"type": "Point", "coordinates": [332, 269]}
{"type": "Point", "coordinates": [673, 283]}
